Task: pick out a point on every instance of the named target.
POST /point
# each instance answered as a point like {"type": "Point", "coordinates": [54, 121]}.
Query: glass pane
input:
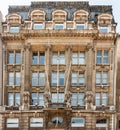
{"type": "Point", "coordinates": [99, 57]}
{"type": "Point", "coordinates": [55, 58]}
{"type": "Point", "coordinates": [58, 120]}
{"type": "Point", "coordinates": [62, 58]}
{"type": "Point", "coordinates": [11, 57]}
{"type": "Point", "coordinates": [42, 79]}
{"type": "Point", "coordinates": [54, 79]}
{"type": "Point", "coordinates": [42, 58]}
{"type": "Point", "coordinates": [17, 78]}
{"type": "Point", "coordinates": [81, 99]}
{"type": "Point", "coordinates": [82, 58]}
{"type": "Point", "coordinates": [103, 29]}
{"type": "Point", "coordinates": [105, 60]}
{"type": "Point", "coordinates": [61, 98]}
{"type": "Point", "coordinates": [74, 99]}
{"type": "Point", "coordinates": [75, 58]}
{"type": "Point", "coordinates": [18, 58]}
{"type": "Point", "coordinates": [35, 58]}
{"type": "Point", "coordinates": [14, 29]}
{"type": "Point", "coordinates": [105, 78]}
{"type": "Point", "coordinates": [77, 122]}
{"type": "Point", "coordinates": [10, 99]}
{"type": "Point", "coordinates": [97, 99]}
{"type": "Point", "coordinates": [59, 26]}
{"type": "Point", "coordinates": [61, 78]}
{"type": "Point", "coordinates": [34, 99]}
{"type": "Point", "coordinates": [11, 78]}
{"type": "Point", "coordinates": [41, 99]}
{"type": "Point", "coordinates": [81, 79]}
{"type": "Point", "coordinates": [17, 99]}
{"type": "Point", "coordinates": [80, 26]}
{"type": "Point", "coordinates": [98, 78]}
{"type": "Point", "coordinates": [38, 26]}
{"type": "Point", "coordinates": [34, 79]}
{"type": "Point", "coordinates": [74, 79]}
{"type": "Point", "coordinates": [54, 97]}
{"type": "Point", "coordinates": [104, 99]}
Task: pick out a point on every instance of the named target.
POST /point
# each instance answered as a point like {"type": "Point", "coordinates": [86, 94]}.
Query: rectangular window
{"type": "Point", "coordinates": [77, 99]}
{"type": "Point", "coordinates": [14, 29]}
{"type": "Point", "coordinates": [102, 57]}
{"type": "Point", "coordinates": [14, 78]}
{"type": "Point", "coordinates": [59, 26]}
{"type": "Point", "coordinates": [38, 58]}
{"type": "Point", "coordinates": [13, 99]}
{"type": "Point", "coordinates": [103, 29]}
{"type": "Point", "coordinates": [14, 57]}
{"type": "Point", "coordinates": [38, 99]}
{"type": "Point", "coordinates": [57, 97]}
{"type": "Point", "coordinates": [58, 58]}
{"type": "Point", "coordinates": [38, 26]}
{"type": "Point", "coordinates": [101, 123]}
{"type": "Point", "coordinates": [38, 79]}
{"type": "Point", "coordinates": [36, 122]}
{"type": "Point", "coordinates": [78, 79]}
{"type": "Point", "coordinates": [58, 78]}
{"type": "Point", "coordinates": [77, 122]}
{"type": "Point", "coordinates": [80, 26]}
{"type": "Point", "coordinates": [101, 78]}
{"type": "Point", "coordinates": [78, 58]}
{"type": "Point", "coordinates": [101, 99]}
{"type": "Point", "coordinates": [12, 122]}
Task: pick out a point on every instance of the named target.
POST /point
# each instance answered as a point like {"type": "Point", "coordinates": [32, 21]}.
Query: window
{"type": "Point", "coordinates": [58, 78]}
{"type": "Point", "coordinates": [38, 58]}
{"type": "Point", "coordinates": [101, 78]}
{"type": "Point", "coordinates": [102, 57]}
{"type": "Point", "coordinates": [58, 120]}
{"type": "Point", "coordinates": [13, 99]}
{"type": "Point", "coordinates": [57, 97]}
{"type": "Point", "coordinates": [14, 29]}
{"type": "Point", "coordinates": [38, 99]}
{"type": "Point", "coordinates": [38, 26]}
{"type": "Point", "coordinates": [103, 29]}
{"type": "Point", "coordinates": [101, 99]}
{"type": "Point", "coordinates": [80, 26]}
{"type": "Point", "coordinates": [14, 78]}
{"type": "Point", "coordinates": [38, 79]}
{"type": "Point", "coordinates": [101, 123]}
{"type": "Point", "coordinates": [78, 79]}
{"type": "Point", "coordinates": [12, 122]}
{"type": "Point", "coordinates": [58, 58]}
{"type": "Point", "coordinates": [77, 122]}
{"type": "Point", "coordinates": [77, 99]}
{"type": "Point", "coordinates": [78, 58]}
{"type": "Point", "coordinates": [14, 57]}
{"type": "Point", "coordinates": [59, 26]}
{"type": "Point", "coordinates": [36, 122]}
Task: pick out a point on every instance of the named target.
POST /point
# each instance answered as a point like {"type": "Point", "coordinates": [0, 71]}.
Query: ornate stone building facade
{"type": "Point", "coordinates": [58, 67]}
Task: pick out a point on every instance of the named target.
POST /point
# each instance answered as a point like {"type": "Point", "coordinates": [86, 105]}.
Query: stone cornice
{"type": "Point", "coordinates": [26, 34]}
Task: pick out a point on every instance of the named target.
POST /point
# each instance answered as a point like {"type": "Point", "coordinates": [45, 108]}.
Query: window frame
{"type": "Point", "coordinates": [60, 26]}
{"type": "Point", "coordinates": [36, 122]}
{"type": "Point", "coordinates": [77, 58]}
{"type": "Point", "coordinates": [102, 125]}
{"type": "Point", "coordinates": [14, 29]}
{"type": "Point", "coordinates": [39, 57]}
{"type": "Point", "coordinates": [78, 124]}
{"type": "Point", "coordinates": [103, 57]}
{"type": "Point", "coordinates": [79, 25]}
{"type": "Point", "coordinates": [58, 97]}
{"type": "Point", "coordinates": [12, 123]}
{"type": "Point", "coordinates": [38, 26]}
{"type": "Point", "coordinates": [103, 29]}
{"type": "Point", "coordinates": [56, 78]}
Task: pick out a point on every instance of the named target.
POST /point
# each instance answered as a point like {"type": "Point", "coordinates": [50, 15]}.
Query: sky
{"type": "Point", "coordinates": [4, 4]}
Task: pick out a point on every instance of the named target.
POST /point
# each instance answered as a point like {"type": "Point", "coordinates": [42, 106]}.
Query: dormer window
{"type": "Point", "coordinates": [59, 26]}
{"type": "Point", "coordinates": [14, 29]}
{"type": "Point", "coordinates": [80, 26]}
{"type": "Point", "coordinates": [103, 29]}
{"type": "Point", "coordinates": [38, 26]}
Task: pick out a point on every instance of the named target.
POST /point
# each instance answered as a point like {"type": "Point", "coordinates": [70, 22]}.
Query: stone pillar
{"type": "Point", "coordinates": [89, 67]}
{"type": "Point", "coordinates": [27, 80]}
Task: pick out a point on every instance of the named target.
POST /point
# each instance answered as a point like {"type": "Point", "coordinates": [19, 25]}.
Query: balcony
{"type": "Point", "coordinates": [57, 105]}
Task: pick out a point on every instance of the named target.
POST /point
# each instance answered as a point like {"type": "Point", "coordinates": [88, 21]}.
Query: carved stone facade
{"type": "Point", "coordinates": [58, 67]}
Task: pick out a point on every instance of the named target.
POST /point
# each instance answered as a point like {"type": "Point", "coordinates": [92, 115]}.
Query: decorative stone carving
{"type": "Point", "coordinates": [68, 99]}
{"type": "Point", "coordinates": [89, 100]}
{"type": "Point", "coordinates": [26, 95]}
{"type": "Point", "coordinates": [47, 97]}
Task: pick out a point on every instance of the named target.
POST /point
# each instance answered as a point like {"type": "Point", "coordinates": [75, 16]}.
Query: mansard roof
{"type": "Point", "coordinates": [69, 7]}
